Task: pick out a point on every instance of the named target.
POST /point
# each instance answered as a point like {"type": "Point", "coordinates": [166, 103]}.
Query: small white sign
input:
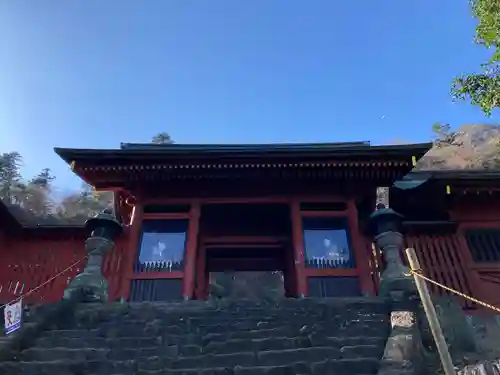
{"type": "Point", "coordinates": [12, 316]}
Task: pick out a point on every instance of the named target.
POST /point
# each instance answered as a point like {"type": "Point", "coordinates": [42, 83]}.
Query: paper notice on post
{"type": "Point", "coordinates": [13, 316]}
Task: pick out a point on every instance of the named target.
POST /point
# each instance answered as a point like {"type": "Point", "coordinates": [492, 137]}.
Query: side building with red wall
{"type": "Point", "coordinates": [452, 219]}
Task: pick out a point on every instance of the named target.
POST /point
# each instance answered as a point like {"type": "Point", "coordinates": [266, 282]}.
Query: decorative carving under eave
{"type": "Point", "coordinates": [329, 164]}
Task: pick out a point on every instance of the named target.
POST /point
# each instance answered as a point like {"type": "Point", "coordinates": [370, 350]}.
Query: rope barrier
{"type": "Point", "coordinates": [420, 274]}
{"type": "Point", "coordinates": [417, 273]}
{"type": "Point", "coordinates": [47, 281]}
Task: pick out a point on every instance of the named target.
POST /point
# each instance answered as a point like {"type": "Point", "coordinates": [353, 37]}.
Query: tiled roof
{"type": "Point", "coordinates": [135, 152]}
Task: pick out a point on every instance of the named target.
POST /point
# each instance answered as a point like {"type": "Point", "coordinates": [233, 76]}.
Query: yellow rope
{"type": "Point", "coordinates": [418, 273]}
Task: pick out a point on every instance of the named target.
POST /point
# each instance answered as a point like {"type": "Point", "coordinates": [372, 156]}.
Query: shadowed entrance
{"type": "Point", "coordinates": [248, 273]}
{"type": "Point", "coordinates": [249, 285]}
{"type": "Point", "coordinates": [245, 251]}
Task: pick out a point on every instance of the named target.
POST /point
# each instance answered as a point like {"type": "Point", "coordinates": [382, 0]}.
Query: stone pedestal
{"type": "Point", "coordinates": [396, 277]}
{"type": "Point", "coordinates": [403, 353]}
{"type": "Point", "coordinates": [104, 229]}
{"type": "Point", "coordinates": [403, 350]}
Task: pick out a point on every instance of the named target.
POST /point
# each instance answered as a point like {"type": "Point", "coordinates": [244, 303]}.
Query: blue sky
{"type": "Point", "coordinates": [92, 73]}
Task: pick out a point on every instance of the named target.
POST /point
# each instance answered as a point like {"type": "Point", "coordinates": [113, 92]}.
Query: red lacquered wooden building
{"type": "Point", "coordinates": [190, 210]}
{"type": "Point", "coordinates": [453, 221]}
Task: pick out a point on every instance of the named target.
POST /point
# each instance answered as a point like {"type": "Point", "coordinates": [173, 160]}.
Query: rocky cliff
{"type": "Point", "coordinates": [477, 146]}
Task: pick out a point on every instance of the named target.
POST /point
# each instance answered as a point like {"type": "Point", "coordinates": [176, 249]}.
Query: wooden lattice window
{"type": "Point", "coordinates": [484, 245]}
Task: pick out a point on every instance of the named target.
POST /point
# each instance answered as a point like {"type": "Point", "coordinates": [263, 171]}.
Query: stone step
{"type": "Point", "coordinates": [116, 331]}
{"type": "Point", "coordinates": [49, 341]}
{"type": "Point", "coordinates": [229, 326]}
{"type": "Point", "coordinates": [295, 369]}
{"type": "Point", "coordinates": [193, 326]}
{"type": "Point", "coordinates": [291, 323]}
{"type": "Point", "coordinates": [92, 320]}
{"type": "Point", "coordinates": [281, 318]}
{"type": "Point", "coordinates": [94, 354]}
{"type": "Point", "coordinates": [71, 340]}
{"type": "Point", "coordinates": [354, 331]}
{"type": "Point", "coordinates": [217, 317]}
{"type": "Point", "coordinates": [346, 328]}
{"type": "Point", "coordinates": [367, 345]}
{"type": "Point", "coordinates": [252, 335]}
{"type": "Point", "coordinates": [305, 355]}
{"type": "Point", "coordinates": [301, 337]}
{"type": "Point", "coordinates": [347, 350]}
{"type": "Point", "coordinates": [360, 366]}
{"type": "Point", "coordinates": [250, 309]}
{"type": "Point", "coordinates": [190, 343]}
{"type": "Point", "coordinates": [228, 305]}
{"type": "Point", "coordinates": [264, 358]}
{"type": "Point", "coordinates": [151, 310]}
{"type": "Point", "coordinates": [210, 320]}
{"type": "Point", "coordinates": [352, 328]}
{"type": "Point", "coordinates": [320, 339]}
{"type": "Point", "coordinates": [258, 345]}
{"type": "Point", "coordinates": [86, 336]}
{"type": "Point", "coordinates": [66, 367]}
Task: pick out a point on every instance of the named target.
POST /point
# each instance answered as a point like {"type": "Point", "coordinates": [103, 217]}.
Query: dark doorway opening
{"type": "Point", "coordinates": [246, 251]}
{"type": "Point", "coordinates": [248, 273]}
{"type": "Point", "coordinates": [249, 285]}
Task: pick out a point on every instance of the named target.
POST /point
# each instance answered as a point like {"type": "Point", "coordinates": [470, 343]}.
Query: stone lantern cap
{"type": "Point", "coordinates": [104, 225]}
{"type": "Point", "coordinates": [385, 220]}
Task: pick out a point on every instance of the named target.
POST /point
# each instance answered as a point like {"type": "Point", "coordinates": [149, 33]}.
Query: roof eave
{"type": "Point", "coordinates": [449, 175]}
{"type": "Point", "coordinates": [397, 151]}
{"type": "Point", "coordinates": [10, 219]}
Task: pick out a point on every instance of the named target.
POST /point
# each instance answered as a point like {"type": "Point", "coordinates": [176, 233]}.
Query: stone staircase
{"type": "Point", "coordinates": [327, 336]}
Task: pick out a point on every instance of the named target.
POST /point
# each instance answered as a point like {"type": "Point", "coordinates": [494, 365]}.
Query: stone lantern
{"type": "Point", "coordinates": [386, 227]}
{"type": "Point", "coordinates": [104, 229]}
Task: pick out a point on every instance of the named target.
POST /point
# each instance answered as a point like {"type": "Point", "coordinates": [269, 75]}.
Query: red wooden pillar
{"type": "Point", "coordinates": [133, 233]}
{"type": "Point", "coordinates": [359, 249]}
{"type": "Point", "coordinates": [4, 268]}
{"type": "Point", "coordinates": [190, 255]}
{"type": "Point", "coordinates": [201, 274]}
{"type": "Point", "coordinates": [298, 249]}
{"type": "Point", "coordinates": [289, 272]}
